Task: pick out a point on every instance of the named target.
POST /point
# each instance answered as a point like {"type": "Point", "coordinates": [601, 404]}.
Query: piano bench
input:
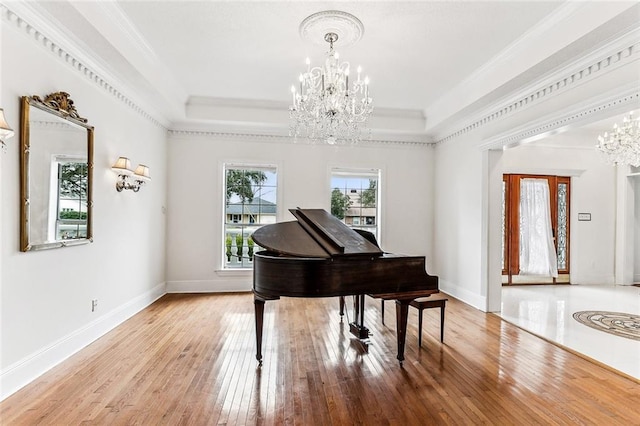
{"type": "Point", "coordinates": [435, 301]}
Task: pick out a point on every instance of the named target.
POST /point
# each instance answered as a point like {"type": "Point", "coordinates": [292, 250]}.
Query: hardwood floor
{"type": "Point", "coordinates": [190, 359]}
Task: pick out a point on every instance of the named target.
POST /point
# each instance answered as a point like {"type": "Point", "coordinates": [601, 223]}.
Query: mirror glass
{"type": "Point", "coordinates": [56, 166]}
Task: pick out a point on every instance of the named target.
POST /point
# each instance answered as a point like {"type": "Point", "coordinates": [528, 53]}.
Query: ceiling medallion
{"type": "Point", "coordinates": [347, 27]}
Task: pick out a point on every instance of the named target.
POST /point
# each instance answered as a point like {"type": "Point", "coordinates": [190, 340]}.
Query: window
{"type": "Point", "coordinates": [250, 202]}
{"type": "Point", "coordinates": [355, 198]}
{"type": "Point", "coordinates": [71, 185]}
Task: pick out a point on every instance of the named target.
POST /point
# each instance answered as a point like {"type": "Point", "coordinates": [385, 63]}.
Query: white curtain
{"type": "Point", "coordinates": [537, 250]}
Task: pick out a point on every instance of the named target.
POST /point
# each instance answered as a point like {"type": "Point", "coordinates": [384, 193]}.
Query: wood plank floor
{"type": "Point", "coordinates": [190, 359]}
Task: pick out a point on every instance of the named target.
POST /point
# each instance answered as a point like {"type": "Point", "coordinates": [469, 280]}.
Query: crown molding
{"type": "Point", "coordinates": [497, 63]}
{"type": "Point", "coordinates": [568, 25]}
{"type": "Point", "coordinates": [606, 106]}
{"type": "Point", "coordinates": [26, 18]}
{"type": "Point", "coordinates": [222, 136]}
{"type": "Point", "coordinates": [55, 125]}
{"type": "Point", "coordinates": [621, 52]}
{"type": "Point", "coordinates": [23, 17]}
{"type": "Point", "coordinates": [110, 20]}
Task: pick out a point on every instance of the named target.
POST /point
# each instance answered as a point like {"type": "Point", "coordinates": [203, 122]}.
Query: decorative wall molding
{"type": "Point", "coordinates": [557, 121]}
{"type": "Point", "coordinates": [81, 66]}
{"type": "Point", "coordinates": [560, 82]}
{"type": "Point", "coordinates": [54, 125]}
{"type": "Point", "coordinates": [617, 53]}
{"type": "Point", "coordinates": [282, 139]}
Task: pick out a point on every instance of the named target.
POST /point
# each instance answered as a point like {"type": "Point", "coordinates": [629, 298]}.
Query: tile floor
{"type": "Point", "coordinates": [547, 311]}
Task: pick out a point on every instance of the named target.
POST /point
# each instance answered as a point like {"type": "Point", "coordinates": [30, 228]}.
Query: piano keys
{"type": "Point", "coordinates": [319, 256]}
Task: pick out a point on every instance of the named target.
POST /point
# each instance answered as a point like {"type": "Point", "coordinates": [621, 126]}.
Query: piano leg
{"type": "Point", "coordinates": [402, 311]}
{"type": "Point", "coordinates": [341, 306]}
{"type": "Point", "coordinates": [259, 308]}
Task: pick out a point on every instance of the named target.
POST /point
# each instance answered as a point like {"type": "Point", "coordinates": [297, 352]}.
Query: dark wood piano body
{"type": "Point", "coordinates": [319, 256]}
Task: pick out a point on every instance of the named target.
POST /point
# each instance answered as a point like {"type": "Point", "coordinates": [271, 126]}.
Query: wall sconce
{"type": "Point", "coordinates": [128, 179]}
{"type": "Point", "coordinates": [5, 131]}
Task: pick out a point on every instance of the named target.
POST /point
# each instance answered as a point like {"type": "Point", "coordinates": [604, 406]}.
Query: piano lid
{"type": "Point", "coordinates": [316, 233]}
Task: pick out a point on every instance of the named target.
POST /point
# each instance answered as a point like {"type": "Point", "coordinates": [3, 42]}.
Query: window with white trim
{"type": "Point", "coordinates": [355, 198]}
{"type": "Point", "coordinates": [68, 216]}
{"type": "Point", "coordinates": [250, 202]}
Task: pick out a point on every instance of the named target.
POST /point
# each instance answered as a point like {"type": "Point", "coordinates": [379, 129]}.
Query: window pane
{"type": "Point", "coordinates": [250, 202]}
{"type": "Point", "coordinates": [71, 218]}
{"type": "Point", "coordinates": [354, 198]}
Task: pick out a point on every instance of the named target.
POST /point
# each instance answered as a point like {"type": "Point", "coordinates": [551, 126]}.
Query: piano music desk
{"type": "Point", "coordinates": [435, 301]}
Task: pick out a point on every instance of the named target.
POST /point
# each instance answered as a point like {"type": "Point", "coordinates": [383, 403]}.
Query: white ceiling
{"type": "Point", "coordinates": [413, 52]}
{"type": "Point", "coordinates": [437, 58]}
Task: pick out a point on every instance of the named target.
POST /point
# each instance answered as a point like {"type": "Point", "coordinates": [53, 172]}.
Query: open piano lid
{"type": "Point", "coordinates": [316, 233]}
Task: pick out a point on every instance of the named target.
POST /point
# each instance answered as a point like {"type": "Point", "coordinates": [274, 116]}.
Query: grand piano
{"type": "Point", "coordinates": [319, 256]}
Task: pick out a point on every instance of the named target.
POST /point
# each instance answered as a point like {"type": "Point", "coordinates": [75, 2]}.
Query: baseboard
{"type": "Point", "coordinates": [592, 279]}
{"type": "Point", "coordinates": [21, 373]}
{"type": "Point", "coordinates": [226, 285]}
{"type": "Point", "coordinates": [470, 298]}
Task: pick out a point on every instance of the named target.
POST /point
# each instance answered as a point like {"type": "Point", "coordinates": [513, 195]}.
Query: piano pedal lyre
{"type": "Point", "coordinates": [357, 327]}
{"type": "Point", "coordinates": [360, 331]}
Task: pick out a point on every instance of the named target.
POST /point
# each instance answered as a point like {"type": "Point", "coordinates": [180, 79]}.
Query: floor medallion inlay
{"type": "Point", "coordinates": [617, 323]}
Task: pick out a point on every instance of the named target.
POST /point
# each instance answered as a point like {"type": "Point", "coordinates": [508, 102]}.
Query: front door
{"type": "Point", "coordinates": [559, 191]}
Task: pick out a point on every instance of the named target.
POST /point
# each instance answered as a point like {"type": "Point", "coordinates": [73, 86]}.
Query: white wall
{"type": "Point", "coordinates": [196, 198]}
{"type": "Point", "coordinates": [593, 183]}
{"type": "Point", "coordinates": [464, 257]}
{"type": "Point", "coordinates": [458, 220]}
{"type": "Point", "coordinates": [45, 304]}
{"type": "Point", "coordinates": [636, 250]}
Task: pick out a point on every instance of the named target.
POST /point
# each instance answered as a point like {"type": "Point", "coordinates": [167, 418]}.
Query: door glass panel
{"type": "Point", "coordinates": [504, 222]}
{"type": "Point", "coordinates": [561, 230]}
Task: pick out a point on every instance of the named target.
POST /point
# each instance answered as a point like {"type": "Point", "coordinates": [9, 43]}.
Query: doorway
{"type": "Point", "coordinates": [512, 228]}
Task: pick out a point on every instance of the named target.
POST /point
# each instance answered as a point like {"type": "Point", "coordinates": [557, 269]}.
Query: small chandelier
{"type": "Point", "coordinates": [328, 105]}
{"type": "Point", "coordinates": [622, 145]}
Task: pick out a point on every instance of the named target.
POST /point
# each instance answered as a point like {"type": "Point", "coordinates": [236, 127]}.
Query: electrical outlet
{"type": "Point", "coordinates": [94, 305]}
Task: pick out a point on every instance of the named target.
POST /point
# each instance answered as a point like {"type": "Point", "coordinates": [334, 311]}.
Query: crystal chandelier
{"type": "Point", "coordinates": [329, 106]}
{"type": "Point", "coordinates": [622, 145]}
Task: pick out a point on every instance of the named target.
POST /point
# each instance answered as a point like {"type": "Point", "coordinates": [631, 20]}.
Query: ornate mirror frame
{"type": "Point", "coordinates": [64, 117]}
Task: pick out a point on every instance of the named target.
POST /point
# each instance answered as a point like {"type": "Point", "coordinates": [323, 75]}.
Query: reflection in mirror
{"type": "Point", "coordinates": [57, 148]}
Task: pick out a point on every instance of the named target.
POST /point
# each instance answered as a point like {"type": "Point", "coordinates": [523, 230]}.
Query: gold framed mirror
{"type": "Point", "coordinates": [56, 174]}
